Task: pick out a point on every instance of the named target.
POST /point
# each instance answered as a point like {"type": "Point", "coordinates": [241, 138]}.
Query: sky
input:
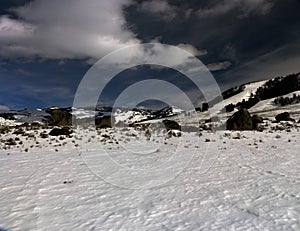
{"type": "Point", "coordinates": [47, 47]}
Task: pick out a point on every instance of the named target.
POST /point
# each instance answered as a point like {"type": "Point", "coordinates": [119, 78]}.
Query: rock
{"type": "Point", "coordinates": [4, 129]}
{"type": "Point", "coordinates": [285, 116]}
{"type": "Point", "coordinates": [60, 131]}
{"type": "Point", "coordinates": [19, 131]}
{"type": "Point", "coordinates": [240, 120]}
{"type": "Point", "coordinates": [171, 125]}
{"type": "Point", "coordinates": [255, 121]}
{"type": "Point", "coordinates": [35, 124]}
{"type": "Point", "coordinates": [104, 122]}
{"type": "Point", "coordinates": [10, 141]}
{"type": "Point", "coordinates": [25, 125]}
{"type": "Point", "coordinates": [174, 133]}
{"type": "Point", "coordinates": [60, 118]}
{"type": "Point", "coordinates": [44, 135]}
{"type": "Point", "coordinates": [8, 116]}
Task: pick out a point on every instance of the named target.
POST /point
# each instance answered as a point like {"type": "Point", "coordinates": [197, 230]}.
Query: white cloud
{"type": "Point", "coordinates": [12, 27]}
{"type": "Point", "coordinates": [219, 66]}
{"type": "Point", "coordinates": [159, 7]}
{"type": "Point", "coordinates": [245, 7]}
{"type": "Point", "coordinates": [191, 49]}
{"type": "Point", "coordinates": [60, 29]}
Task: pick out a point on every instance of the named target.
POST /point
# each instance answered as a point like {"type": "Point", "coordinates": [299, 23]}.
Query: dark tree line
{"type": "Point", "coordinates": [271, 89]}
{"type": "Point", "coordinates": [287, 100]}
{"type": "Point", "coordinates": [233, 91]}
{"type": "Point", "coordinates": [279, 86]}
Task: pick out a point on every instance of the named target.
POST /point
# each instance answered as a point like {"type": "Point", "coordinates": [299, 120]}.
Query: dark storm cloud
{"type": "Point", "coordinates": [235, 31]}
{"type": "Point", "coordinates": [6, 5]}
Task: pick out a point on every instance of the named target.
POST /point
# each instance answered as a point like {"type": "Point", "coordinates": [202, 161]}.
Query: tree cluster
{"type": "Point", "coordinates": [283, 101]}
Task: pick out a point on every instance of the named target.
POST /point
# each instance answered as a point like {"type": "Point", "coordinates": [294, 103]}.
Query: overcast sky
{"type": "Point", "coordinates": [47, 46]}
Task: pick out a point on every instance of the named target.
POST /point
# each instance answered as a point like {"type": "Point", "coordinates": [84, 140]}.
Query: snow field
{"type": "Point", "coordinates": [253, 184]}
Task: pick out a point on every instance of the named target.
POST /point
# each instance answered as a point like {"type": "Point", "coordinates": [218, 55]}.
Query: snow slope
{"type": "Point", "coordinates": [253, 185]}
{"type": "Point", "coordinates": [267, 108]}
{"type": "Point", "coordinates": [245, 94]}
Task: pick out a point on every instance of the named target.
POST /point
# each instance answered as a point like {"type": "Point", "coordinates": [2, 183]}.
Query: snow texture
{"type": "Point", "coordinates": [252, 185]}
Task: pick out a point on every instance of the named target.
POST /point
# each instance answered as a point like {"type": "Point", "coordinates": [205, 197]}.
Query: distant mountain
{"type": "Point", "coordinates": [25, 115]}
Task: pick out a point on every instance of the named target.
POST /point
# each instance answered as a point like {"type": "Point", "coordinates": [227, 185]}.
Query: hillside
{"type": "Point", "coordinates": [272, 88]}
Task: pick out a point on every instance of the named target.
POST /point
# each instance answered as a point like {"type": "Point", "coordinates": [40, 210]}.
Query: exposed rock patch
{"type": "Point", "coordinates": [171, 125]}
{"type": "Point", "coordinates": [60, 131]}
{"type": "Point", "coordinates": [104, 122]}
{"type": "Point", "coordinates": [285, 116]}
{"type": "Point", "coordinates": [242, 120]}
{"type": "Point", "coordinates": [60, 118]}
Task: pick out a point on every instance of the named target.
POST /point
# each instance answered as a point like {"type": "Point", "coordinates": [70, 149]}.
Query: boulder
{"type": "Point", "coordinates": [35, 124]}
{"type": "Point", "coordinates": [60, 131]}
{"type": "Point", "coordinates": [174, 133]}
{"type": "Point", "coordinates": [25, 125]}
{"type": "Point", "coordinates": [285, 116]}
{"type": "Point", "coordinates": [104, 122]}
{"type": "Point", "coordinates": [60, 118]}
{"type": "Point", "coordinates": [171, 125]}
{"type": "Point", "coordinates": [240, 120]}
{"type": "Point", "coordinates": [255, 121]}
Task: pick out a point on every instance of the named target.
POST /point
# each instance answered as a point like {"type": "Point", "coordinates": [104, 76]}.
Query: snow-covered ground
{"type": "Point", "coordinates": [6, 122]}
{"type": "Point", "coordinates": [254, 184]}
{"type": "Point", "coordinates": [82, 113]}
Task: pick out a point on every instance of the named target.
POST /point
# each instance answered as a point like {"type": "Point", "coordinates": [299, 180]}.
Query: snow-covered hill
{"type": "Point", "coordinates": [139, 115]}
{"type": "Point", "coordinates": [250, 88]}
{"type": "Point", "coordinates": [268, 108]}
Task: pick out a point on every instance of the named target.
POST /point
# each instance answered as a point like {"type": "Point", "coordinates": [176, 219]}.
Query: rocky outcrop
{"type": "Point", "coordinates": [256, 120]}
{"type": "Point", "coordinates": [104, 122]}
{"type": "Point", "coordinates": [171, 125]}
{"type": "Point", "coordinates": [8, 116]}
{"type": "Point", "coordinates": [60, 131]}
{"type": "Point", "coordinates": [60, 118]}
{"type": "Point", "coordinates": [242, 120]}
{"type": "Point", "coordinates": [285, 116]}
